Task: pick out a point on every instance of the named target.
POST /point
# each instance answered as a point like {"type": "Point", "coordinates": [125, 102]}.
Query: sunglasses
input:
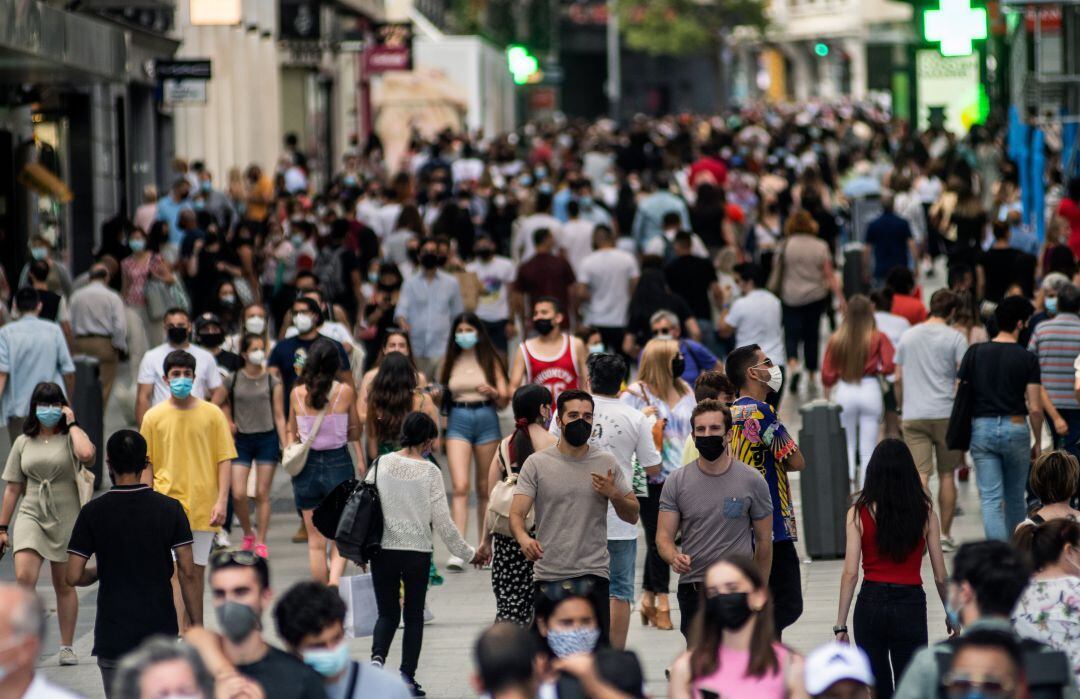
{"type": "Point", "coordinates": [960, 685]}
{"type": "Point", "coordinates": [234, 557]}
{"type": "Point", "coordinates": [558, 591]}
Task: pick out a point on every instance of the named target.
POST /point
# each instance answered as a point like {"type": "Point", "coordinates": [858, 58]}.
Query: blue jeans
{"type": "Point", "coordinates": [1001, 449]}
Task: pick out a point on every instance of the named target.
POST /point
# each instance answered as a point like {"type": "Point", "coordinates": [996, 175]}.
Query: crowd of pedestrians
{"type": "Point", "coordinates": [638, 300]}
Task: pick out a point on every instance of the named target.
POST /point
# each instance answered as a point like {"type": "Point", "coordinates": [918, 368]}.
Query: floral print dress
{"type": "Point", "coordinates": [1049, 611]}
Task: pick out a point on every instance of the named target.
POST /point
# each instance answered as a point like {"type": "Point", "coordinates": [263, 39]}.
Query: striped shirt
{"type": "Point", "coordinates": [1056, 342]}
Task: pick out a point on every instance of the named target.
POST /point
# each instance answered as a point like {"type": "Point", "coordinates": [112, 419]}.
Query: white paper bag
{"type": "Point", "coordinates": [359, 594]}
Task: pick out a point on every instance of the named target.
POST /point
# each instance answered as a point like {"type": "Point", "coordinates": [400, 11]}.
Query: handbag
{"type": "Point", "coordinates": [358, 592]}
{"type": "Point", "coordinates": [327, 515]}
{"type": "Point", "coordinates": [294, 456]}
{"type": "Point", "coordinates": [502, 497]}
{"type": "Point", "coordinates": [160, 297]}
{"type": "Point", "coordinates": [775, 282]}
{"type": "Point", "coordinates": [84, 478]}
{"type": "Point", "coordinates": [658, 425]}
{"type": "Point", "coordinates": [958, 433]}
{"type": "Point", "coordinates": [360, 530]}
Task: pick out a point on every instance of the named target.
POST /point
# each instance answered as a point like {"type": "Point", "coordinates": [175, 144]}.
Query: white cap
{"type": "Point", "coordinates": [833, 662]}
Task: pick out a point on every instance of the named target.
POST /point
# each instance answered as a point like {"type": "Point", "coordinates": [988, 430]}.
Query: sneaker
{"type": "Point", "coordinates": [248, 543]}
{"type": "Point", "coordinates": [377, 660]}
{"type": "Point", "coordinates": [300, 537]}
{"type": "Point", "coordinates": [67, 656]}
{"type": "Point", "coordinates": [221, 540]}
{"type": "Point", "coordinates": [261, 551]}
{"type": "Point", "coordinates": [414, 686]}
{"type": "Point", "coordinates": [793, 387]}
{"type": "Point", "coordinates": [947, 544]}
{"type": "Point", "coordinates": [429, 616]}
{"type": "Point", "coordinates": [455, 564]}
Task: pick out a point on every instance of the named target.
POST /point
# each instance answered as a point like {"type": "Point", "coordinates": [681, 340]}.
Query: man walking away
{"type": "Point", "coordinates": [99, 322]}
{"type": "Point", "coordinates": [1056, 342]}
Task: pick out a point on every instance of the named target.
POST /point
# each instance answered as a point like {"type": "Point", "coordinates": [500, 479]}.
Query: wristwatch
{"type": "Point", "coordinates": [839, 629]}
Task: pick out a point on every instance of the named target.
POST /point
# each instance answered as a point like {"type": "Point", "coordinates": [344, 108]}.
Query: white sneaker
{"type": "Point", "coordinates": [67, 656]}
{"type": "Point", "coordinates": [455, 564]}
{"type": "Point", "coordinates": [429, 615]}
{"type": "Point", "coordinates": [221, 540]}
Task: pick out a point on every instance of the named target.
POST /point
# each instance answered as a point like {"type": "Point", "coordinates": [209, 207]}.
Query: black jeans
{"type": "Point", "coordinates": [388, 571]}
{"type": "Point", "coordinates": [889, 624]}
{"type": "Point", "coordinates": [107, 666]}
{"type": "Point", "coordinates": [785, 586]}
{"type": "Point", "coordinates": [657, 575]}
{"type": "Point", "coordinates": [802, 325]}
{"type": "Point", "coordinates": [600, 596]}
{"type": "Point", "coordinates": [689, 595]}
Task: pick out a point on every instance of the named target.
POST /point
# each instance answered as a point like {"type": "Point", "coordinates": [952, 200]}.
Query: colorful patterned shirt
{"type": "Point", "coordinates": [759, 439]}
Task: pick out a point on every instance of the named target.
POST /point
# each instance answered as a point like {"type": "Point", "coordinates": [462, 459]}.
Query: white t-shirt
{"type": "Point", "coordinates": [152, 371]}
{"type": "Point", "coordinates": [386, 220]}
{"type": "Point", "coordinates": [330, 329]}
{"type": "Point", "coordinates": [656, 246]}
{"type": "Point", "coordinates": [757, 319]}
{"type": "Point", "coordinates": [495, 277]}
{"type": "Point", "coordinates": [892, 325]}
{"type": "Point", "coordinates": [607, 273]}
{"type": "Point", "coordinates": [576, 240]}
{"type": "Point", "coordinates": [522, 247]}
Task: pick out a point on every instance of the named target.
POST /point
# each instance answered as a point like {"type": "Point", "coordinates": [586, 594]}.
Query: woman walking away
{"type": "Point", "coordinates": [256, 412]}
{"type": "Point", "coordinates": [328, 461]}
{"type": "Point", "coordinates": [474, 377]}
{"type": "Point", "coordinates": [857, 357]}
{"type": "Point", "coordinates": [41, 467]}
{"type": "Point", "coordinates": [413, 501]}
{"type": "Point", "coordinates": [890, 527]}
{"type": "Point", "coordinates": [733, 651]}
{"type": "Point", "coordinates": [511, 572]}
{"type": "Point", "coordinates": [1054, 480]}
{"type": "Point", "coordinates": [392, 395]}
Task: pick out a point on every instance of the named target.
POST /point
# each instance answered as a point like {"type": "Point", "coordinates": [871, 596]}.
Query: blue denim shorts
{"type": "Point", "coordinates": [623, 554]}
{"type": "Point", "coordinates": [260, 447]}
{"type": "Point", "coordinates": [325, 470]}
{"type": "Point", "coordinates": [475, 425]}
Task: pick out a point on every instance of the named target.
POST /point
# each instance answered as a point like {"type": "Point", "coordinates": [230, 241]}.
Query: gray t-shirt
{"type": "Point", "coordinates": [571, 517]}
{"type": "Point", "coordinates": [371, 682]}
{"type": "Point", "coordinates": [715, 512]}
{"type": "Point", "coordinates": [930, 355]}
{"type": "Point", "coordinates": [252, 401]}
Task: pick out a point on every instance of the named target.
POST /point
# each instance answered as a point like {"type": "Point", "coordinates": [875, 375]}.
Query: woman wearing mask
{"type": "Point", "coordinates": [891, 526]}
{"type": "Point", "coordinates": [256, 412]}
{"type": "Point", "coordinates": [414, 507]}
{"type": "Point", "coordinates": [1046, 611]}
{"type": "Point", "coordinates": [227, 306]}
{"type": "Point", "coordinates": [41, 469]}
{"type": "Point", "coordinates": [511, 571]}
{"type": "Point", "coordinates": [328, 461]}
{"type": "Point", "coordinates": [143, 264]}
{"type": "Point", "coordinates": [392, 394]}
{"type": "Point", "coordinates": [475, 382]}
{"type": "Point", "coordinates": [857, 357]}
{"type": "Point", "coordinates": [377, 317]}
{"type": "Point", "coordinates": [660, 393]}
{"type": "Point", "coordinates": [395, 340]}
{"type": "Point", "coordinates": [732, 651]}
{"type": "Point", "coordinates": [253, 321]}
{"type": "Point", "coordinates": [1054, 481]}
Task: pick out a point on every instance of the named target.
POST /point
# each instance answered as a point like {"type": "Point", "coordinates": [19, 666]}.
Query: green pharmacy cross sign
{"type": "Point", "coordinates": [955, 25]}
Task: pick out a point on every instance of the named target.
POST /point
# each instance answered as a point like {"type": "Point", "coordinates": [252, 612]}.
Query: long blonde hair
{"type": "Point", "coordinates": [655, 368]}
{"type": "Point", "coordinates": [850, 344]}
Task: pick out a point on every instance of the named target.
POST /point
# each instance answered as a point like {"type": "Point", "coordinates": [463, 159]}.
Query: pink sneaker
{"type": "Point", "coordinates": [261, 551]}
{"type": "Point", "coordinates": [249, 543]}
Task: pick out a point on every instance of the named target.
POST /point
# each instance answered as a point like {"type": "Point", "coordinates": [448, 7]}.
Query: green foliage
{"type": "Point", "coordinates": [683, 27]}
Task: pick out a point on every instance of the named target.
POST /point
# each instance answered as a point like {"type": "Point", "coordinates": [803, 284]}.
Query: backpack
{"type": "Point", "coordinates": [1048, 672]}
{"type": "Point", "coordinates": [360, 529]}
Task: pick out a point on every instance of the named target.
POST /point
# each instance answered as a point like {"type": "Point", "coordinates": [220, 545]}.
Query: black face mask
{"type": "Point", "coordinates": [711, 447]}
{"type": "Point", "coordinates": [728, 611]}
{"type": "Point", "coordinates": [544, 325]}
{"type": "Point", "coordinates": [413, 255]}
{"type": "Point", "coordinates": [577, 432]}
{"type": "Point", "coordinates": [389, 288]}
{"type": "Point", "coordinates": [485, 253]}
{"type": "Point", "coordinates": [678, 366]}
{"type": "Point", "coordinates": [177, 336]}
{"type": "Point", "coordinates": [429, 260]}
{"type": "Point", "coordinates": [211, 339]}
{"type": "Point", "coordinates": [441, 259]}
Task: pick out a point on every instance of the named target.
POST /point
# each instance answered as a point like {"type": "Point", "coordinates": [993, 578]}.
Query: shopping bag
{"type": "Point", "coordinates": [359, 594]}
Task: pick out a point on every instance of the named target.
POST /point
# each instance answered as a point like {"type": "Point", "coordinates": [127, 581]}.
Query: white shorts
{"type": "Point", "coordinates": [201, 547]}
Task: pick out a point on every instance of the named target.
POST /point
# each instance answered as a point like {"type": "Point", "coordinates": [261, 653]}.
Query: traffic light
{"type": "Point", "coordinates": [955, 25]}
{"type": "Point", "coordinates": [522, 64]}
{"type": "Point", "coordinates": [821, 49]}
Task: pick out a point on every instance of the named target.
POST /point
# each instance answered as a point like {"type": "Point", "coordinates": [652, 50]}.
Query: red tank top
{"type": "Point", "coordinates": [558, 373]}
{"type": "Point", "coordinates": [879, 568]}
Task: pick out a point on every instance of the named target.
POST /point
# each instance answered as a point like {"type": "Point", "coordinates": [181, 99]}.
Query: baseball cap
{"type": "Point", "coordinates": [833, 662]}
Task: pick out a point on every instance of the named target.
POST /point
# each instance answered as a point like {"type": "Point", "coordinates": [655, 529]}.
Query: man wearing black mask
{"type": "Point", "coordinates": [688, 505]}
{"type": "Point", "coordinates": [209, 335]}
{"type": "Point", "coordinates": [553, 358]}
{"type": "Point", "coordinates": [152, 387]}
{"type": "Point", "coordinates": [496, 274]}
{"type": "Point", "coordinates": [429, 301]}
{"type": "Point", "coordinates": [569, 486]}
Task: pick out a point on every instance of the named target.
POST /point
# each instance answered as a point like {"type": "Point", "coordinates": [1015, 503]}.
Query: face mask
{"type": "Point", "coordinates": [199, 205]}
{"type": "Point", "coordinates": [373, 277]}
{"type": "Point", "coordinates": [206, 186]}
{"type": "Point", "coordinates": [486, 253]}
{"type": "Point", "coordinates": [350, 181]}
{"type": "Point", "coordinates": [137, 244]}
{"type": "Point", "coordinates": [180, 387]}
{"type": "Point", "coordinates": [728, 611]}
{"type": "Point", "coordinates": [236, 620]}
{"type": "Point", "coordinates": [1051, 305]}
{"type": "Point", "coordinates": [39, 253]}
{"type": "Point", "coordinates": [413, 255]}
{"type": "Point", "coordinates": [255, 325]}
{"type": "Point", "coordinates": [297, 240]}
{"type": "Point", "coordinates": [302, 322]}
{"type": "Point", "coordinates": [598, 348]}
{"type": "Point", "coordinates": [228, 300]}
{"type": "Point", "coordinates": [500, 201]}
{"type": "Point", "coordinates": [952, 612]}
{"type": "Point", "coordinates": [577, 432]}
{"type": "Point", "coordinates": [663, 336]}
{"type": "Point", "coordinates": [466, 340]}
{"type": "Point", "coordinates": [441, 259]}
{"type": "Point", "coordinates": [776, 379]}
{"type": "Point", "coordinates": [328, 662]}
{"type": "Point", "coordinates": [678, 366]}
{"type": "Point", "coordinates": [572, 642]}
{"type": "Point", "coordinates": [211, 339]}
{"type": "Point", "coordinates": [429, 260]}
{"type": "Point", "coordinates": [257, 357]}
{"type": "Point", "coordinates": [711, 447]}
{"type": "Point", "coordinates": [49, 416]}
{"type": "Point", "coordinates": [177, 336]}
{"type": "Point", "coordinates": [544, 325]}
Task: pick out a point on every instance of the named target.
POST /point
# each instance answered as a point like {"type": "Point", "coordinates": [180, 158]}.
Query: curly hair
{"type": "Point", "coordinates": [390, 397]}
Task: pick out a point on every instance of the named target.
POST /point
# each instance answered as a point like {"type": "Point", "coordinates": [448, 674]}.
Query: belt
{"type": "Point", "coordinates": [474, 405]}
{"type": "Point", "coordinates": [104, 337]}
{"type": "Point", "coordinates": [1018, 419]}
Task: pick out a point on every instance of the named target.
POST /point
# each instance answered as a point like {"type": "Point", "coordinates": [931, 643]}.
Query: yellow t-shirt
{"type": "Point", "coordinates": [185, 447]}
{"type": "Point", "coordinates": [689, 450]}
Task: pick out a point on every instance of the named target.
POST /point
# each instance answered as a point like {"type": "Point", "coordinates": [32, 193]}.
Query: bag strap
{"type": "Point", "coordinates": [354, 677]}
{"type": "Point", "coordinates": [317, 425]}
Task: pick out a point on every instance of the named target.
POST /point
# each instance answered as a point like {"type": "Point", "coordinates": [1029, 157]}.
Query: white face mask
{"type": "Point", "coordinates": [303, 322]}
{"type": "Point", "coordinates": [257, 357]}
{"type": "Point", "coordinates": [776, 378]}
{"type": "Point", "coordinates": [255, 325]}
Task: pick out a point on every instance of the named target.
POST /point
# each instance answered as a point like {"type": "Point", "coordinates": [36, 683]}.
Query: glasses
{"type": "Point", "coordinates": [558, 591]}
{"type": "Point", "coordinates": [234, 557]}
{"type": "Point", "coordinates": [662, 331]}
{"type": "Point", "coordinates": [962, 685]}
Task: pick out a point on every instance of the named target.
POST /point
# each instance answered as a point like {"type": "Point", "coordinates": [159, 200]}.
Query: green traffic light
{"type": "Point", "coordinates": [522, 64]}
{"type": "Point", "coordinates": [821, 49]}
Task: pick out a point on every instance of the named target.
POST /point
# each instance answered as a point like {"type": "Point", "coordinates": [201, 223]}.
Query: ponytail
{"type": "Point", "coordinates": [527, 401]}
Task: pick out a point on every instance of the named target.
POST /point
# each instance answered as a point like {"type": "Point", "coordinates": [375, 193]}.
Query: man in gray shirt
{"type": "Point", "coordinates": [570, 486]}
{"type": "Point", "coordinates": [927, 360]}
{"type": "Point", "coordinates": [720, 505]}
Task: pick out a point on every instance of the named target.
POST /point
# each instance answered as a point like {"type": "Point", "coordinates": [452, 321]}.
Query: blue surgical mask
{"type": "Point", "coordinates": [206, 186]}
{"type": "Point", "coordinates": [297, 240]}
{"type": "Point", "coordinates": [1051, 305]}
{"type": "Point", "coordinates": [181, 386]}
{"type": "Point", "coordinates": [598, 348]}
{"type": "Point", "coordinates": [39, 253]}
{"type": "Point", "coordinates": [49, 415]}
{"type": "Point", "coordinates": [328, 662]}
{"type": "Point", "coordinates": [953, 613]}
{"type": "Point", "coordinates": [466, 340]}
{"type": "Point", "coordinates": [580, 640]}
{"type": "Point", "coordinates": [350, 180]}
{"type": "Point", "coordinates": [373, 277]}
{"type": "Point", "coordinates": [137, 244]}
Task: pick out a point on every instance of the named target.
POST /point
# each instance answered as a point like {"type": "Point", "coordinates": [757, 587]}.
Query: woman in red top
{"type": "Point", "coordinates": [1069, 209]}
{"type": "Point", "coordinates": [857, 357]}
{"type": "Point", "coordinates": [889, 527]}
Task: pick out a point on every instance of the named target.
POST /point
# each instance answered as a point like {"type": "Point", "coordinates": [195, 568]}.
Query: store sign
{"type": "Point", "coordinates": [390, 49]}
{"type": "Point", "coordinates": [183, 82]}
{"type": "Point", "coordinates": [198, 69]}
{"type": "Point", "coordinates": [947, 89]}
{"type": "Point", "coordinates": [299, 20]}
{"type": "Point", "coordinates": [176, 92]}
